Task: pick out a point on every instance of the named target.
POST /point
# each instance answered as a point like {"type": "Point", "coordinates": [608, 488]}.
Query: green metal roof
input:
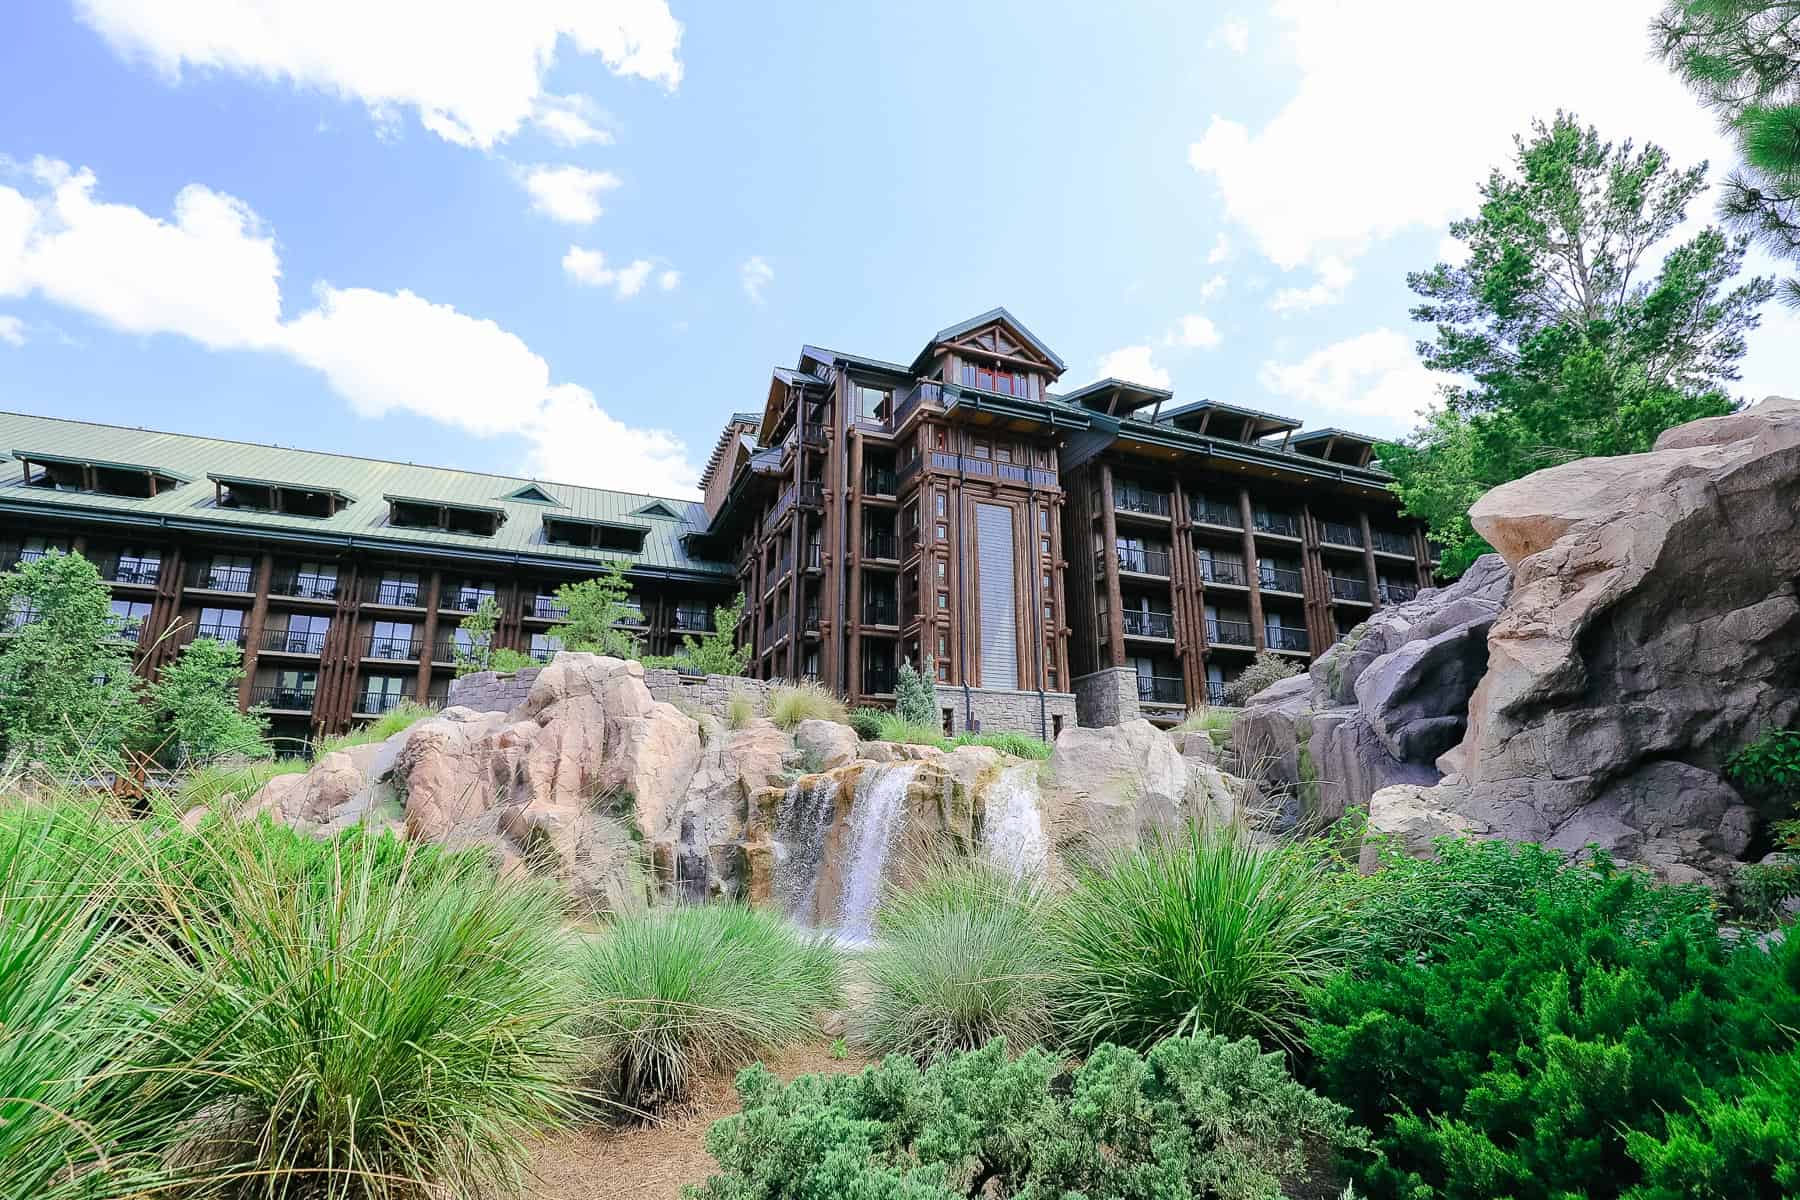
{"type": "Point", "coordinates": [366, 480]}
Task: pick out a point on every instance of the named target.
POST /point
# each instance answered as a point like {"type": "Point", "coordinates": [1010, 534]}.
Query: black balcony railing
{"type": "Point", "coordinates": [463, 599]}
{"type": "Point", "coordinates": [1285, 524]}
{"type": "Point", "coordinates": [135, 571]}
{"type": "Point", "coordinates": [1144, 562]}
{"type": "Point", "coordinates": [632, 617]}
{"type": "Point", "coordinates": [1349, 589]}
{"type": "Point", "coordinates": [304, 585]}
{"type": "Point", "coordinates": [877, 680]}
{"type": "Point", "coordinates": [376, 703]}
{"type": "Point", "coordinates": [777, 629]}
{"type": "Point", "coordinates": [812, 558]}
{"type": "Point", "coordinates": [809, 623]}
{"type": "Point", "coordinates": [880, 610]}
{"type": "Point", "coordinates": [881, 481]}
{"type": "Point", "coordinates": [1279, 579]}
{"type": "Point", "coordinates": [1336, 533]}
{"type": "Point", "coordinates": [545, 608]}
{"type": "Point", "coordinates": [1212, 570]}
{"type": "Point", "coordinates": [1398, 593]}
{"type": "Point", "coordinates": [1140, 500]}
{"type": "Point", "coordinates": [1138, 623]}
{"type": "Point", "coordinates": [814, 433]}
{"type": "Point", "coordinates": [1283, 638]}
{"type": "Point", "coordinates": [284, 641]}
{"type": "Point", "coordinates": [881, 545]}
{"type": "Point", "coordinates": [231, 635]}
{"type": "Point", "coordinates": [214, 578]}
{"type": "Point", "coordinates": [1226, 632]}
{"type": "Point", "coordinates": [543, 654]}
{"type": "Point", "coordinates": [282, 698]}
{"type": "Point", "coordinates": [1161, 689]}
{"type": "Point", "coordinates": [1214, 512]}
{"type": "Point", "coordinates": [783, 567]}
{"type": "Point", "coordinates": [395, 593]}
{"type": "Point", "coordinates": [129, 629]}
{"type": "Point", "coordinates": [19, 617]}
{"type": "Point", "coordinates": [1389, 542]}
{"type": "Point", "coordinates": [393, 647]}
{"type": "Point", "coordinates": [1215, 691]}
{"type": "Point", "coordinates": [693, 620]}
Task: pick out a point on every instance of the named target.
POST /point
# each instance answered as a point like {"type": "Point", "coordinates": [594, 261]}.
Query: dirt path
{"type": "Point", "coordinates": [651, 1163]}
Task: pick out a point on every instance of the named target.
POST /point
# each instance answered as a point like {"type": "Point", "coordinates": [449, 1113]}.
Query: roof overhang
{"type": "Point", "coordinates": [64, 460]}
{"type": "Point", "coordinates": [310, 488]}
{"type": "Point", "coordinates": [1117, 397]}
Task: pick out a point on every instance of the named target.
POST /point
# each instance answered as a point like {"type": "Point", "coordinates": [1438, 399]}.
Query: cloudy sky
{"type": "Point", "coordinates": [565, 237]}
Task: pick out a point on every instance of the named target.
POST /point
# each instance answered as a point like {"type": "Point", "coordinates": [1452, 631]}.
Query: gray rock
{"type": "Point", "coordinates": [1417, 696]}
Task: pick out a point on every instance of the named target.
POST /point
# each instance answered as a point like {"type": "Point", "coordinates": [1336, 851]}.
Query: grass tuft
{"type": "Point", "coordinates": [792, 703]}
{"type": "Point", "coordinates": [402, 716]}
{"type": "Point", "coordinates": [890, 728]}
{"type": "Point", "coordinates": [740, 710]}
{"type": "Point", "coordinates": [675, 993]}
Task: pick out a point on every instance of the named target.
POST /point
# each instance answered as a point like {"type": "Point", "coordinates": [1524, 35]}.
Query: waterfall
{"type": "Point", "coordinates": [1013, 833]}
{"type": "Point", "coordinates": [801, 823]}
{"type": "Point", "coordinates": [875, 818]}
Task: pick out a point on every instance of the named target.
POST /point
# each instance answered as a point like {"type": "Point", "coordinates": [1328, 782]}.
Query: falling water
{"type": "Point", "coordinates": [1014, 831]}
{"type": "Point", "coordinates": [801, 823]}
{"type": "Point", "coordinates": [875, 819]}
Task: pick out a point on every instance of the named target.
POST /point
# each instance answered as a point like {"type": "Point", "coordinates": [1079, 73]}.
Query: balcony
{"type": "Point", "coordinates": [782, 568]}
{"type": "Point", "coordinates": [545, 608]}
{"type": "Point", "coordinates": [1386, 541]}
{"type": "Point", "coordinates": [231, 635]}
{"type": "Point", "coordinates": [809, 624]}
{"type": "Point", "coordinates": [1356, 590]}
{"type": "Point", "coordinates": [1226, 632]}
{"type": "Point", "coordinates": [1292, 641]}
{"type": "Point", "coordinates": [808, 493]}
{"type": "Point", "coordinates": [282, 641]}
{"type": "Point", "coordinates": [1278, 523]}
{"type": "Point", "coordinates": [1215, 513]}
{"type": "Point", "coordinates": [18, 618]}
{"type": "Point", "coordinates": [881, 481]}
{"type": "Point", "coordinates": [777, 631]}
{"type": "Point", "coordinates": [693, 620]}
{"type": "Point", "coordinates": [1226, 574]}
{"type": "Point", "coordinates": [1215, 692]}
{"type": "Point", "coordinates": [543, 654]}
{"type": "Point", "coordinates": [881, 610]}
{"type": "Point", "coordinates": [881, 546]}
{"type": "Point", "coordinates": [282, 699]}
{"type": "Point", "coordinates": [373, 704]}
{"type": "Point", "coordinates": [1279, 579]}
{"type": "Point", "coordinates": [631, 616]}
{"type": "Point", "coordinates": [927, 392]}
{"type": "Point", "coordinates": [1139, 623]}
{"type": "Point", "coordinates": [135, 572]}
{"type": "Point", "coordinates": [814, 433]}
{"type": "Point", "coordinates": [394, 593]}
{"type": "Point", "coordinates": [392, 648]}
{"type": "Point", "coordinates": [1336, 533]}
{"type": "Point", "coordinates": [877, 679]}
{"type": "Point", "coordinates": [1133, 499]}
{"type": "Point", "coordinates": [1143, 562]}
{"type": "Point", "coordinates": [1161, 689]}
{"type": "Point", "coordinates": [210, 578]}
{"type": "Point", "coordinates": [812, 558]}
{"type": "Point", "coordinates": [463, 599]}
{"type": "Point", "coordinates": [304, 585]}
{"type": "Point", "coordinates": [1398, 593]}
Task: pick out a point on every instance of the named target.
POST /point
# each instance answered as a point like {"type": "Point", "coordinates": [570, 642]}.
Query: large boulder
{"type": "Point", "coordinates": [1113, 786]}
{"type": "Point", "coordinates": [1652, 630]}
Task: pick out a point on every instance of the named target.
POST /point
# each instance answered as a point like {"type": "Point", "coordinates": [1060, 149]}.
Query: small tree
{"type": "Point", "coordinates": [475, 648]}
{"type": "Point", "coordinates": [596, 607]}
{"type": "Point", "coordinates": [915, 694]}
{"type": "Point", "coordinates": [1268, 669]}
{"type": "Point", "coordinates": [718, 652]}
{"type": "Point", "coordinates": [195, 704]}
{"type": "Point", "coordinates": [67, 694]}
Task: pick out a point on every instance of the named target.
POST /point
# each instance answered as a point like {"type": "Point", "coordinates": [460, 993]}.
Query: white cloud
{"type": "Point", "coordinates": [472, 70]}
{"type": "Point", "coordinates": [12, 330]}
{"type": "Point", "coordinates": [589, 267]}
{"type": "Point", "coordinates": [669, 280]}
{"type": "Point", "coordinates": [1210, 289]}
{"type": "Point", "coordinates": [755, 275]}
{"type": "Point", "coordinates": [1356, 114]}
{"type": "Point", "coordinates": [571, 120]}
{"type": "Point", "coordinates": [568, 194]}
{"type": "Point", "coordinates": [1132, 364]}
{"type": "Point", "coordinates": [211, 274]}
{"type": "Point", "coordinates": [1220, 252]}
{"type": "Point", "coordinates": [1194, 331]}
{"type": "Point", "coordinates": [1233, 33]}
{"type": "Point", "coordinates": [1374, 378]}
{"type": "Point", "coordinates": [1333, 277]}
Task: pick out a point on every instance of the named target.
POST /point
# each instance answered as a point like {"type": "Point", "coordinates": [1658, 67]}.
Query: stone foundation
{"type": "Point", "coordinates": [1003, 710]}
{"type": "Point", "coordinates": [493, 691]}
{"type": "Point", "coordinates": [1108, 697]}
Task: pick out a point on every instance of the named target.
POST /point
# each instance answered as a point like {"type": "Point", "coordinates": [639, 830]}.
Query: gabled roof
{"type": "Point", "coordinates": [992, 316]}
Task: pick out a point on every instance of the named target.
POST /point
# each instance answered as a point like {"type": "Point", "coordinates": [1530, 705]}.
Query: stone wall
{"type": "Point", "coordinates": [493, 691]}
{"type": "Point", "coordinates": [1004, 710]}
{"type": "Point", "coordinates": [1108, 697]}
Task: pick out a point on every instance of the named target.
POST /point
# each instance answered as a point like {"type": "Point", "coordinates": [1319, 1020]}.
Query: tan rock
{"type": "Point", "coordinates": [831, 743]}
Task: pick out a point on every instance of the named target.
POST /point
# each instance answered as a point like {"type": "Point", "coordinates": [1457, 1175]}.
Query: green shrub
{"type": "Point", "coordinates": [1019, 745]}
{"type": "Point", "coordinates": [867, 723]}
{"type": "Point", "coordinates": [915, 693]}
{"type": "Point", "coordinates": [960, 959]}
{"type": "Point", "coordinates": [1196, 1118]}
{"type": "Point", "coordinates": [341, 1027]}
{"type": "Point", "coordinates": [1207, 719]}
{"type": "Point", "coordinates": [1506, 1042]}
{"type": "Point", "coordinates": [674, 993]}
{"type": "Point", "coordinates": [402, 716]}
{"type": "Point", "coordinates": [1763, 889]}
{"type": "Point", "coordinates": [792, 703]}
{"type": "Point", "coordinates": [740, 710]}
{"type": "Point", "coordinates": [1768, 769]}
{"type": "Point", "coordinates": [1742, 1144]}
{"type": "Point", "coordinates": [1197, 930]}
{"type": "Point", "coordinates": [894, 728]}
{"type": "Point", "coordinates": [195, 702]}
{"type": "Point", "coordinates": [1265, 670]}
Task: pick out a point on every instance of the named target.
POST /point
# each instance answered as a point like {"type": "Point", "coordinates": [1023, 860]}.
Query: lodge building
{"type": "Point", "coordinates": [1055, 555]}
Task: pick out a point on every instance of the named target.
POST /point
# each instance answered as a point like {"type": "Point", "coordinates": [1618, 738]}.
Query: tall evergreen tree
{"type": "Point", "coordinates": [1571, 328]}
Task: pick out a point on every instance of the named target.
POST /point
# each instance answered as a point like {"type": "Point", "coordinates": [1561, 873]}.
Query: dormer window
{"type": "Point", "coordinates": [411, 512]}
{"type": "Point", "coordinates": [264, 495]}
{"type": "Point", "coordinates": [1004, 380]}
{"type": "Point", "coordinates": [58, 473]}
{"type": "Point", "coordinates": [594, 535]}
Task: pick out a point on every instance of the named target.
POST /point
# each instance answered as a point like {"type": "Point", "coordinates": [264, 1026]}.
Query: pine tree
{"type": "Point", "coordinates": [195, 702]}
{"type": "Point", "coordinates": [596, 607]}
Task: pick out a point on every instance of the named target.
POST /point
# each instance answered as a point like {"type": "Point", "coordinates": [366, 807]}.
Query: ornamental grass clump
{"type": "Point", "coordinates": [792, 703]}
{"type": "Point", "coordinates": [959, 959]}
{"type": "Point", "coordinates": [1196, 930]}
{"type": "Point", "coordinates": [672, 994]}
{"type": "Point", "coordinates": [346, 1025]}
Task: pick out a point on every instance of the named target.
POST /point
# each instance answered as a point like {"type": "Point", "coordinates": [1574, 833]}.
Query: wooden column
{"type": "Point", "coordinates": [1115, 601]}
{"type": "Point", "coordinates": [1059, 569]}
{"type": "Point", "coordinates": [850, 637]}
{"type": "Point", "coordinates": [1252, 569]}
{"type": "Point", "coordinates": [1190, 618]}
{"type": "Point", "coordinates": [253, 633]}
{"type": "Point", "coordinates": [433, 590]}
{"type": "Point", "coordinates": [1315, 582]}
{"type": "Point", "coordinates": [1369, 568]}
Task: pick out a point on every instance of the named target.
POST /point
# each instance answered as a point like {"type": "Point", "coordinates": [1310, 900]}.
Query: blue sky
{"type": "Point", "coordinates": [567, 238]}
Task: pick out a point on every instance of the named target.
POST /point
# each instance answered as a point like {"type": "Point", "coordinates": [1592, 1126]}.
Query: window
{"type": "Point", "coordinates": [938, 439]}
{"type": "Point", "coordinates": [943, 601]}
{"type": "Point", "coordinates": [943, 671]}
{"type": "Point", "coordinates": [1043, 520]}
{"type": "Point", "coordinates": [383, 692]}
{"type": "Point", "coordinates": [129, 616]}
{"type": "Point", "coordinates": [980, 449]}
{"type": "Point", "coordinates": [937, 503]}
{"type": "Point", "coordinates": [138, 566]}
{"type": "Point", "coordinates": [392, 639]}
{"type": "Point", "coordinates": [1003, 452]}
{"type": "Point", "coordinates": [228, 573]}
{"type": "Point", "coordinates": [305, 634]}
{"type": "Point", "coordinates": [222, 624]}
{"type": "Point", "coordinates": [1044, 547]}
{"type": "Point", "coordinates": [316, 579]}
{"type": "Point", "coordinates": [400, 588]}
{"type": "Point", "coordinates": [1047, 587]}
{"type": "Point", "coordinates": [943, 532]}
{"type": "Point", "coordinates": [469, 596]}
{"type": "Point", "coordinates": [943, 570]}
{"type": "Point", "coordinates": [997, 379]}
{"type": "Point", "coordinates": [544, 646]}
{"type": "Point", "coordinates": [943, 646]}
{"type": "Point", "coordinates": [871, 404]}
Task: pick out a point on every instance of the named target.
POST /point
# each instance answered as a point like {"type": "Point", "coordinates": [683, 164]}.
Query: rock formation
{"type": "Point", "coordinates": [1653, 629]}
{"type": "Point", "coordinates": [1377, 708]}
